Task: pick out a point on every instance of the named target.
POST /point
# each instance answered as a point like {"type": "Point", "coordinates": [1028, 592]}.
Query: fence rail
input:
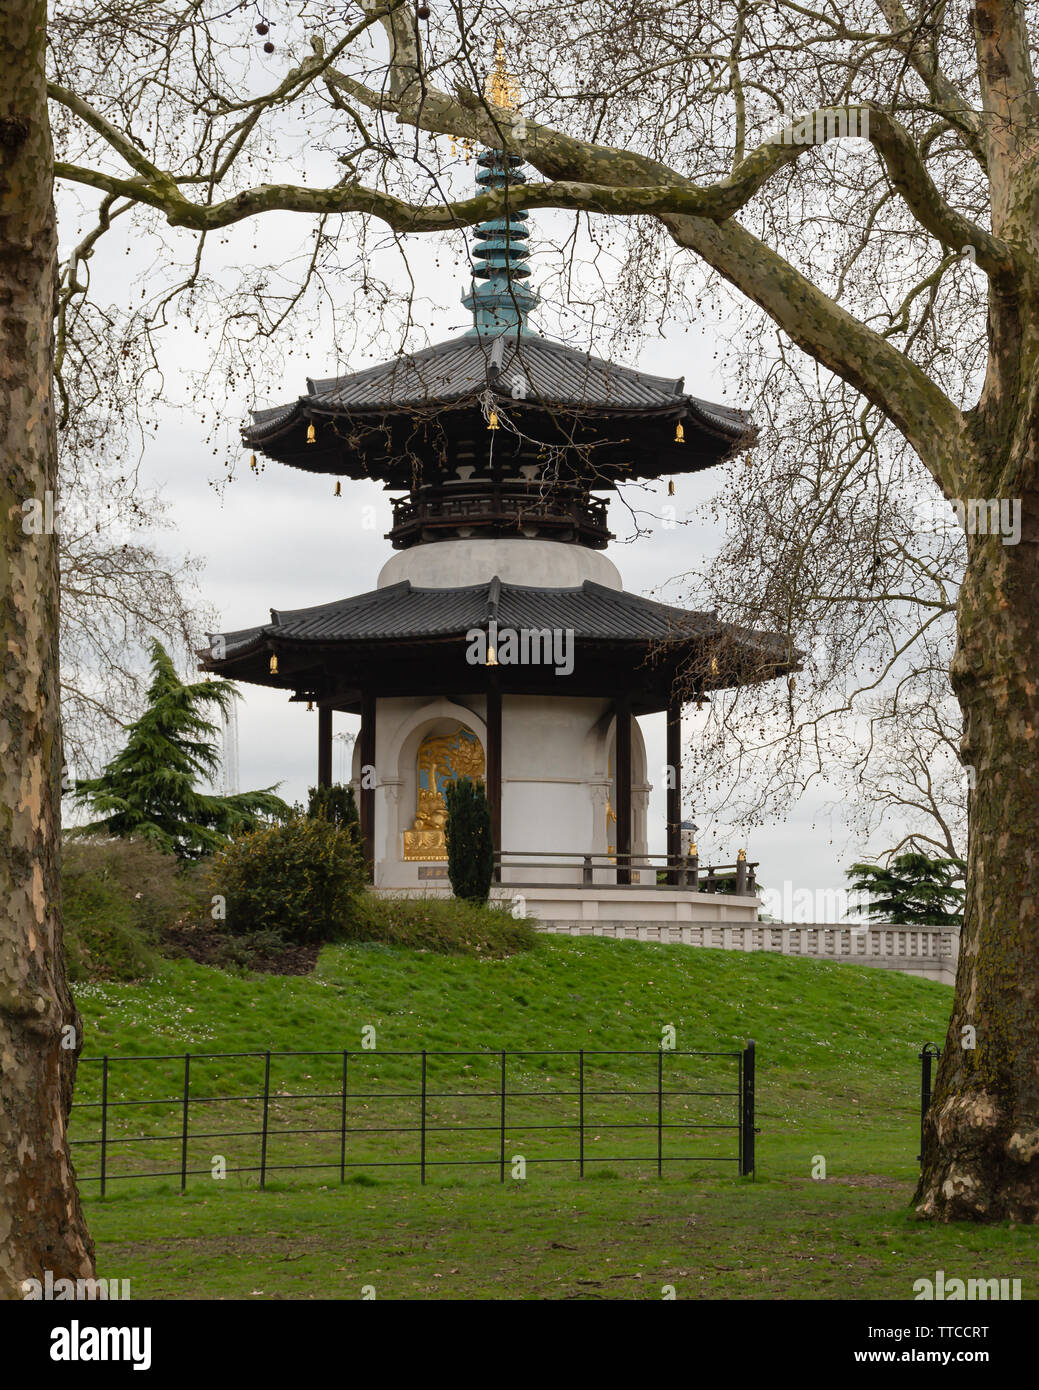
{"type": "Point", "coordinates": [725, 1107]}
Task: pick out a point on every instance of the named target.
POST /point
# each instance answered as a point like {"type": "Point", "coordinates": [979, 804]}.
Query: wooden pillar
{"type": "Point", "coordinates": [324, 746]}
{"type": "Point", "coordinates": [367, 801]}
{"type": "Point", "coordinates": [674, 792]}
{"type": "Point", "coordinates": [623, 745]}
{"type": "Point", "coordinates": [494, 766]}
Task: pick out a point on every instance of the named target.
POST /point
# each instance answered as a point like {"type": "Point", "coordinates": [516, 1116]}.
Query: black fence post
{"type": "Point", "coordinates": [104, 1122]}
{"type": "Point", "coordinates": [184, 1125]}
{"type": "Point", "coordinates": [660, 1113]}
{"type": "Point", "coordinates": [342, 1124]}
{"type": "Point", "coordinates": [927, 1055]}
{"type": "Point", "coordinates": [501, 1145]}
{"type": "Point", "coordinates": [580, 1110]}
{"type": "Point", "coordinates": [266, 1113]}
{"type": "Point", "coordinates": [422, 1153]}
{"type": "Point", "coordinates": [747, 1111]}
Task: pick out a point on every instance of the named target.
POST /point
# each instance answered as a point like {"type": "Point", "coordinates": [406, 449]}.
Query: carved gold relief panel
{"type": "Point", "coordinates": [441, 758]}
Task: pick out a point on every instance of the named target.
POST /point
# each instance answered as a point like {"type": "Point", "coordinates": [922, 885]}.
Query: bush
{"type": "Point", "coordinates": [102, 941]}
{"type": "Point", "coordinates": [336, 804]}
{"type": "Point", "coordinates": [449, 926]}
{"type": "Point", "coordinates": [297, 879]}
{"type": "Point", "coordinates": [120, 896]}
{"type": "Point", "coordinates": [470, 844]}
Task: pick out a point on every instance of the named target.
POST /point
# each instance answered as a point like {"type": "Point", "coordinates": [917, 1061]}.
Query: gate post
{"type": "Point", "coordinates": [928, 1053]}
{"type": "Point", "coordinates": [747, 1110]}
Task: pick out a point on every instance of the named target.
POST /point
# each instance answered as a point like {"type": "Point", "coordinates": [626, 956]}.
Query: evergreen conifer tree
{"type": "Point", "coordinates": [336, 804]}
{"type": "Point", "coordinates": [913, 890]}
{"type": "Point", "coordinates": [149, 790]}
{"type": "Point", "coordinates": [470, 844]}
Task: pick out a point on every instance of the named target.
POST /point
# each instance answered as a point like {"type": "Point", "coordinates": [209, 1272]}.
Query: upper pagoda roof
{"type": "Point", "coordinates": [423, 416]}
{"type": "Point", "coordinates": [462, 369]}
{"type": "Point", "coordinates": [377, 422]}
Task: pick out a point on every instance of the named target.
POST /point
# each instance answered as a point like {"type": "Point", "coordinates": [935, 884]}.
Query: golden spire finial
{"type": "Point", "coordinates": [501, 88]}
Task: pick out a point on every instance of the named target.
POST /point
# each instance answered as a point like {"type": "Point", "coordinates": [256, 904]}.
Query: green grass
{"type": "Point", "coordinates": [837, 1077]}
{"type": "Point", "coordinates": [549, 1238]}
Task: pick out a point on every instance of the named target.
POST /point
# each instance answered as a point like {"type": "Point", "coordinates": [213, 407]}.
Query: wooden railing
{"type": "Point", "coordinates": [670, 871]}
{"type": "Point", "coordinates": [501, 507]}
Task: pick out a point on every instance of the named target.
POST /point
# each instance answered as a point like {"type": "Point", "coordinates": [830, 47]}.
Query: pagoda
{"type": "Point", "coordinates": [498, 641]}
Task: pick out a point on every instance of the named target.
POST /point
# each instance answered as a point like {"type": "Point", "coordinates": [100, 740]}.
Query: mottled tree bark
{"type": "Point", "coordinates": [981, 1151]}
{"type": "Point", "coordinates": [41, 1222]}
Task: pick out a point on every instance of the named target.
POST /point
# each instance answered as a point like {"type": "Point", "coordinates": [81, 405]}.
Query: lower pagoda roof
{"type": "Point", "coordinates": [407, 640]}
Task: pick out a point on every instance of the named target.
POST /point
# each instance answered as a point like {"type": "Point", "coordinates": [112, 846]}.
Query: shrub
{"type": "Point", "coordinates": [336, 804]}
{"type": "Point", "coordinates": [297, 879]}
{"type": "Point", "coordinates": [470, 845]}
{"type": "Point", "coordinates": [101, 940]}
{"type": "Point", "coordinates": [120, 896]}
{"type": "Point", "coordinates": [449, 926]}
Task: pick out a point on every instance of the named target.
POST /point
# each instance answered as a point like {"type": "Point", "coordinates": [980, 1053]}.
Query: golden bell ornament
{"type": "Point", "coordinates": [274, 666]}
{"type": "Point", "coordinates": [492, 423]}
{"type": "Point", "coordinates": [311, 433]}
{"type": "Point", "coordinates": [679, 433]}
{"type": "Point", "coordinates": [339, 489]}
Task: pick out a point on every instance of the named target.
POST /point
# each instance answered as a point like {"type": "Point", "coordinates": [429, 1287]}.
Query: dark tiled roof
{"type": "Point", "coordinates": [462, 368]}
{"type": "Point", "coordinates": [400, 612]}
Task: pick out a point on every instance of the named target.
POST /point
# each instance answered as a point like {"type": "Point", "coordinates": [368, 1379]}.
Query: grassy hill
{"type": "Point", "coordinates": [837, 1045]}
{"type": "Point", "coordinates": [837, 1076]}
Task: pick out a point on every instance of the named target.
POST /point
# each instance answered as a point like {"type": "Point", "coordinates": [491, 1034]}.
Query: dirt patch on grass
{"type": "Point", "coordinates": [210, 946]}
{"type": "Point", "coordinates": [878, 1180]}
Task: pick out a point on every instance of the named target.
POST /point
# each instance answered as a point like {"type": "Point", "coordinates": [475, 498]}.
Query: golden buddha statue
{"type": "Point", "coordinates": [442, 758]}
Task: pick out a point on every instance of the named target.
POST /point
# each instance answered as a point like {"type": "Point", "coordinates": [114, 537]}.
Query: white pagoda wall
{"type": "Point", "coordinates": [556, 751]}
{"type": "Point", "coordinates": [555, 784]}
{"type": "Point", "coordinates": [548, 564]}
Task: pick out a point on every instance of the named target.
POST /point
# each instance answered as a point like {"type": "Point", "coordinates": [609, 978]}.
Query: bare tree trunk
{"type": "Point", "coordinates": [41, 1222]}
{"type": "Point", "coordinates": [981, 1149]}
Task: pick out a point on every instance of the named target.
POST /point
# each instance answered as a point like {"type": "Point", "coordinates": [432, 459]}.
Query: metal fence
{"type": "Point", "coordinates": [929, 1054]}
{"type": "Point", "coordinates": [119, 1120]}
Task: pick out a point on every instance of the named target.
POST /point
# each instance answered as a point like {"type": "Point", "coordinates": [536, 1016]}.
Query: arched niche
{"type": "Point", "coordinates": [416, 810]}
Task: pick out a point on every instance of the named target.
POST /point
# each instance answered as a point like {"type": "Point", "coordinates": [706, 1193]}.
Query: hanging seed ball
{"type": "Point", "coordinates": [268, 47]}
{"type": "Point", "coordinates": [423, 12]}
{"type": "Point", "coordinates": [263, 28]}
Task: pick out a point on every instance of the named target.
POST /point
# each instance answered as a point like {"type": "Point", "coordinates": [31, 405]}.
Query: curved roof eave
{"type": "Point", "coordinates": [460, 370]}
{"type": "Point", "coordinates": [401, 614]}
